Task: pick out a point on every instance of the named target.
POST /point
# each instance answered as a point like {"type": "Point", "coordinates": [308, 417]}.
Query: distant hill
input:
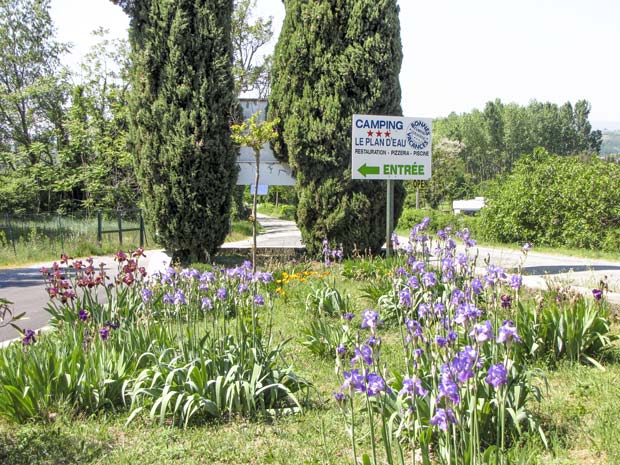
{"type": "Point", "coordinates": [611, 143]}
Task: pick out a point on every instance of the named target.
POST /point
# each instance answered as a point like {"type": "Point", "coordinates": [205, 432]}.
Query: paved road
{"type": "Point", "coordinates": [276, 234]}
{"type": "Point", "coordinates": [24, 287]}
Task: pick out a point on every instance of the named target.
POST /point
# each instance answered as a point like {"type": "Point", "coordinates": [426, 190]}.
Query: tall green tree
{"type": "Point", "coordinates": [251, 69]}
{"type": "Point", "coordinates": [33, 90]}
{"type": "Point", "coordinates": [181, 105]}
{"type": "Point", "coordinates": [334, 59]}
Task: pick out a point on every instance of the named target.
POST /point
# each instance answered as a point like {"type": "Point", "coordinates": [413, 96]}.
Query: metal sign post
{"type": "Point", "coordinates": [389, 217]}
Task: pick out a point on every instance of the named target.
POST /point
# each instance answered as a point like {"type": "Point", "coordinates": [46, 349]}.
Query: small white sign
{"type": "Point", "coordinates": [391, 147]}
{"type": "Point", "coordinates": [262, 189]}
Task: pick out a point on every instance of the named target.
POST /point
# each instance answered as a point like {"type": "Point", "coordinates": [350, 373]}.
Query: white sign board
{"type": "Point", "coordinates": [391, 147]}
{"type": "Point", "coordinates": [271, 171]}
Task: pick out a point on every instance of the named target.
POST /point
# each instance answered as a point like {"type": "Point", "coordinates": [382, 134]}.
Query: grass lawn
{"type": "Point", "coordinates": [80, 241]}
{"type": "Point", "coordinates": [579, 415]}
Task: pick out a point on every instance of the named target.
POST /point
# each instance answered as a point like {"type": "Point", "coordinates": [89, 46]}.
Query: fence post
{"type": "Point", "coordinates": [119, 216]}
{"type": "Point", "coordinates": [141, 229]}
{"type": "Point", "coordinates": [99, 228]}
{"type": "Point", "coordinates": [11, 236]}
{"type": "Point", "coordinates": [62, 237]}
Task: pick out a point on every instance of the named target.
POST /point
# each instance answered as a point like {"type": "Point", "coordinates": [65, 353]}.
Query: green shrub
{"type": "Point", "coordinates": [537, 203]}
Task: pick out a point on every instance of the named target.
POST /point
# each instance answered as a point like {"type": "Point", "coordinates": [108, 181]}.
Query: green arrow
{"type": "Point", "coordinates": [364, 170]}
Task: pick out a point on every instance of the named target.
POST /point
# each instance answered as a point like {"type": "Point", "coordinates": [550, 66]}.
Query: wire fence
{"type": "Point", "coordinates": [40, 236]}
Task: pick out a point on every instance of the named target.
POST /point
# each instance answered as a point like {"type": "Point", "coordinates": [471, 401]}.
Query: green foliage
{"type": "Point", "coordinates": [492, 140]}
{"type": "Point", "coordinates": [282, 211]}
{"type": "Point", "coordinates": [565, 325]}
{"type": "Point", "coordinates": [333, 60]}
{"type": "Point", "coordinates": [64, 156]}
{"type": "Point", "coordinates": [33, 90]}
{"type": "Point", "coordinates": [323, 336]}
{"type": "Point", "coordinates": [214, 383]}
{"type": "Point", "coordinates": [324, 299]}
{"type": "Point", "coordinates": [181, 104]}
{"type": "Point", "coordinates": [451, 180]}
{"type": "Point", "coordinates": [536, 203]}
{"type": "Point", "coordinates": [96, 168]}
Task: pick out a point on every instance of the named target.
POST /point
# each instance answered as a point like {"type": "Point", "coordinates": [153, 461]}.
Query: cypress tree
{"type": "Point", "coordinates": [334, 59]}
{"type": "Point", "coordinates": [181, 106]}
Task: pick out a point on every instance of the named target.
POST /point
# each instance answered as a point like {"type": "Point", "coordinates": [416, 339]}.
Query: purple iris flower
{"type": "Point", "coordinates": [429, 279]}
{"type": "Point", "coordinates": [413, 327]}
{"type": "Point", "coordinates": [339, 397]}
{"type": "Point", "coordinates": [443, 418]}
{"type": "Point", "coordinates": [476, 286]}
{"type": "Point", "coordinates": [168, 298]}
{"type": "Point", "coordinates": [28, 337]}
{"type": "Point", "coordinates": [221, 293]}
{"type": "Point", "coordinates": [506, 301]}
{"type": "Point", "coordinates": [418, 267]}
{"type": "Point", "coordinates": [348, 316]}
{"type": "Point", "coordinates": [191, 274]}
{"type": "Point", "coordinates": [413, 282]}
{"type": "Point", "coordinates": [597, 294]}
{"type": "Point", "coordinates": [83, 315]}
{"type": "Point", "coordinates": [258, 300]}
{"type": "Point", "coordinates": [466, 313]}
{"type": "Point", "coordinates": [497, 375]}
{"type": "Point", "coordinates": [179, 297]}
{"type": "Point", "coordinates": [448, 388]}
{"type": "Point", "coordinates": [364, 354]}
{"type": "Point", "coordinates": [413, 386]}
{"type": "Point", "coordinates": [206, 303]}
{"type": "Point", "coordinates": [353, 379]}
{"type": "Point", "coordinates": [395, 242]}
{"type": "Point", "coordinates": [370, 319]}
{"type": "Point", "coordinates": [104, 333]}
{"type": "Point", "coordinates": [461, 367]}
{"type": "Point", "coordinates": [507, 333]}
{"type": "Point", "coordinates": [375, 384]}
{"type": "Point", "coordinates": [424, 310]}
{"type": "Point", "coordinates": [207, 277]}
{"type": "Point", "coordinates": [482, 332]}
{"type": "Point", "coordinates": [457, 297]}
{"type": "Point", "coordinates": [404, 297]}
{"type": "Point", "coordinates": [146, 294]}
{"type": "Point", "coordinates": [439, 309]}
{"type": "Point", "coordinates": [265, 277]}
{"type": "Point", "coordinates": [341, 350]}
{"type": "Point", "coordinates": [516, 281]}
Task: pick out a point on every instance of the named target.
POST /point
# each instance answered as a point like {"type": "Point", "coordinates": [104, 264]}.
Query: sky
{"type": "Point", "coordinates": [459, 54]}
